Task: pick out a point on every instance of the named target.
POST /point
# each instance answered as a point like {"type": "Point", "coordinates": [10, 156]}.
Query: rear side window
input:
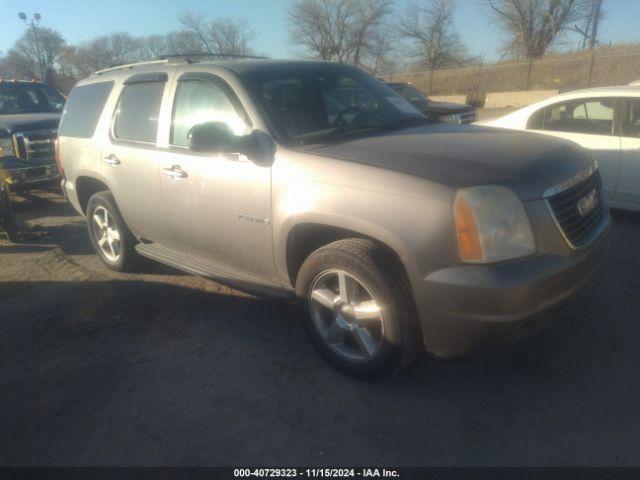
{"type": "Point", "coordinates": [536, 121]}
{"type": "Point", "coordinates": [83, 108]}
{"type": "Point", "coordinates": [137, 113]}
{"type": "Point", "coordinates": [593, 116]}
{"type": "Point", "coordinates": [632, 125]}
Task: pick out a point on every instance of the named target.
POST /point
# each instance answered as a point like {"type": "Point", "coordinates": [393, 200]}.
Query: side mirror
{"type": "Point", "coordinates": [217, 137]}
{"type": "Point", "coordinates": [259, 147]}
{"type": "Point", "coordinates": [211, 137]}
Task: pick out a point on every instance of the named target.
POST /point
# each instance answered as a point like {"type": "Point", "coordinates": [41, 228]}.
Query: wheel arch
{"type": "Point", "coordinates": [305, 236]}
{"type": "Point", "coordinates": [86, 186]}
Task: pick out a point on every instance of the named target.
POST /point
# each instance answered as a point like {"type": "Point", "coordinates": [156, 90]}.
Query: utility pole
{"type": "Point", "coordinates": [33, 25]}
{"type": "Point", "coordinates": [596, 14]}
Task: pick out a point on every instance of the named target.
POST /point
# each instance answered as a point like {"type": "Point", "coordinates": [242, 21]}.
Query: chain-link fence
{"type": "Point", "coordinates": [567, 72]}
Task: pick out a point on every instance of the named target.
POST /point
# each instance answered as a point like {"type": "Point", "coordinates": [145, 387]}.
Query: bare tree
{"type": "Point", "coordinates": [346, 31]}
{"type": "Point", "coordinates": [102, 52]}
{"type": "Point", "coordinates": [589, 29]}
{"type": "Point", "coordinates": [152, 46]}
{"type": "Point", "coordinates": [24, 59]}
{"type": "Point", "coordinates": [318, 27]}
{"type": "Point", "coordinates": [430, 26]}
{"type": "Point", "coordinates": [367, 28]}
{"type": "Point", "coordinates": [535, 25]}
{"type": "Point", "coordinates": [380, 52]}
{"type": "Point", "coordinates": [4, 68]}
{"type": "Point", "coordinates": [222, 35]}
{"type": "Point", "coordinates": [172, 43]}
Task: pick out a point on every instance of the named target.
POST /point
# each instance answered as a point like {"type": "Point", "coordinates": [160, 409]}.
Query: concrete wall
{"type": "Point", "coordinates": [616, 65]}
{"type": "Point", "coordinates": [517, 99]}
{"type": "Point", "coordinates": [449, 98]}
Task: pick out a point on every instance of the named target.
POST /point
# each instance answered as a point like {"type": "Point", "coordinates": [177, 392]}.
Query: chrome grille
{"type": "Point", "coordinates": [468, 117]}
{"type": "Point", "coordinates": [578, 210]}
{"type": "Point", "coordinates": [36, 146]}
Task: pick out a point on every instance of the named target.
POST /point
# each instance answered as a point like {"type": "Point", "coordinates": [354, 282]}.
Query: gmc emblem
{"type": "Point", "coordinates": [588, 203]}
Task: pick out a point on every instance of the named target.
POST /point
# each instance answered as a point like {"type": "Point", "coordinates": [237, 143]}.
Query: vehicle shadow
{"type": "Point", "coordinates": [34, 203]}
{"type": "Point", "coordinates": [71, 238]}
{"type": "Point", "coordinates": [155, 373]}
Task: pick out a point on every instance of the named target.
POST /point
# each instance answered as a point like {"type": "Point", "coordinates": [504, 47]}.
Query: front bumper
{"type": "Point", "coordinates": [33, 175]}
{"type": "Point", "coordinates": [465, 308]}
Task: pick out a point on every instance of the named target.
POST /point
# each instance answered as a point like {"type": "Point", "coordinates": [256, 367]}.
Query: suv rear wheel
{"type": "Point", "coordinates": [110, 237]}
{"type": "Point", "coordinates": [358, 310]}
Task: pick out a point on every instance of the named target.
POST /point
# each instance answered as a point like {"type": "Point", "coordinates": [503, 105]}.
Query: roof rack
{"type": "Point", "coordinates": [185, 57]}
{"type": "Point", "coordinates": [21, 80]}
{"type": "Point", "coordinates": [193, 57]}
{"type": "Point", "coordinates": [129, 65]}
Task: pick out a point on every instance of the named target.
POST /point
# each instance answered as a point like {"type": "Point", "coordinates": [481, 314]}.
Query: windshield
{"type": "Point", "coordinates": [16, 98]}
{"type": "Point", "coordinates": [320, 103]}
{"type": "Point", "coordinates": [409, 92]}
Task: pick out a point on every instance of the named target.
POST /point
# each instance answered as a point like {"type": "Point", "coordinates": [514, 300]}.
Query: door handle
{"type": "Point", "coordinates": [175, 172]}
{"type": "Point", "coordinates": [112, 160]}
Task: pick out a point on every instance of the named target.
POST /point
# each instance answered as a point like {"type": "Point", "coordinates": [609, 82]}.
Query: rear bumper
{"type": "Point", "coordinates": [69, 191]}
{"type": "Point", "coordinates": [468, 307]}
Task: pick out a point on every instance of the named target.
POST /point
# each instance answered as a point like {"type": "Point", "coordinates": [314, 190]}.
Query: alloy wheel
{"type": "Point", "coordinates": [107, 234]}
{"type": "Point", "coordinates": [346, 315]}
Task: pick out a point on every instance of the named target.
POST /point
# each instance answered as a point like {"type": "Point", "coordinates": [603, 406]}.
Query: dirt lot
{"type": "Point", "coordinates": [162, 368]}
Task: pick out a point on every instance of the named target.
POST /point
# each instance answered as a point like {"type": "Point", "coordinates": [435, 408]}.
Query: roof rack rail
{"type": "Point", "coordinates": [186, 57]}
{"type": "Point", "coordinates": [129, 65]}
{"type": "Point", "coordinates": [193, 57]}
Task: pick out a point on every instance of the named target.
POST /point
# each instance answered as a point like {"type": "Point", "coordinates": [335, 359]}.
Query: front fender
{"type": "Point", "coordinates": [335, 220]}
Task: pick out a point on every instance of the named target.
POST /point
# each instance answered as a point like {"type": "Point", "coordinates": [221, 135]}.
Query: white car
{"type": "Point", "coordinates": [604, 120]}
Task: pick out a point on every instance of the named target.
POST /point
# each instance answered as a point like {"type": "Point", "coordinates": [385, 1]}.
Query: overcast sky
{"type": "Point", "coordinates": [79, 20]}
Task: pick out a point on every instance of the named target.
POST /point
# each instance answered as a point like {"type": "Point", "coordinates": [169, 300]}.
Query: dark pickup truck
{"type": "Point", "coordinates": [29, 116]}
{"type": "Point", "coordinates": [442, 112]}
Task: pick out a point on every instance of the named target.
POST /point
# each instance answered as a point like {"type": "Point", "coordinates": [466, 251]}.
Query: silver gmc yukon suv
{"type": "Point", "coordinates": [314, 180]}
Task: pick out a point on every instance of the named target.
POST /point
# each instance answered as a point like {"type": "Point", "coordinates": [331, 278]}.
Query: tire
{"type": "Point", "coordinates": [370, 274]}
{"type": "Point", "coordinates": [8, 218]}
{"type": "Point", "coordinates": [122, 256]}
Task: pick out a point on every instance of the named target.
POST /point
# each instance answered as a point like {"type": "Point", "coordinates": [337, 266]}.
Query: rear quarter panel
{"type": "Point", "coordinates": [81, 157]}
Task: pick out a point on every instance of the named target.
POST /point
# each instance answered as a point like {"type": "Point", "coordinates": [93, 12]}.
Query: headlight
{"type": "Point", "coordinates": [453, 118]}
{"type": "Point", "coordinates": [492, 225]}
{"type": "Point", "coordinates": [6, 147]}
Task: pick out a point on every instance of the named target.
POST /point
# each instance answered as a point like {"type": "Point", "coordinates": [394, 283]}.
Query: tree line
{"type": "Point", "coordinates": [376, 35]}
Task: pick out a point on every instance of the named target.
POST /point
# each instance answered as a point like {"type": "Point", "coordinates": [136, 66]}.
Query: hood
{"type": "Point", "coordinates": [446, 108]}
{"type": "Point", "coordinates": [463, 156]}
{"type": "Point", "coordinates": [28, 121]}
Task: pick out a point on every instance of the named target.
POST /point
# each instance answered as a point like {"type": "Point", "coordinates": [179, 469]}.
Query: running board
{"type": "Point", "coordinates": [206, 268]}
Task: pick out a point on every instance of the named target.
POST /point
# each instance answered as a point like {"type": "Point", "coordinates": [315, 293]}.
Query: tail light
{"type": "Point", "coordinates": [57, 154]}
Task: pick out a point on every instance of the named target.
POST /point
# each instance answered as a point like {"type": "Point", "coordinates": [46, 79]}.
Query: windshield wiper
{"type": "Point", "coordinates": [411, 122]}
{"type": "Point", "coordinates": [337, 134]}
{"type": "Point", "coordinates": [340, 133]}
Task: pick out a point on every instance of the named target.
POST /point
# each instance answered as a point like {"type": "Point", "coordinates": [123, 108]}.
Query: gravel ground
{"type": "Point", "coordinates": [161, 368]}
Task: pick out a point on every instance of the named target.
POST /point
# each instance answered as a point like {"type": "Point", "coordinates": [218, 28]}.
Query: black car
{"type": "Point", "coordinates": [443, 112]}
{"type": "Point", "coordinates": [29, 116]}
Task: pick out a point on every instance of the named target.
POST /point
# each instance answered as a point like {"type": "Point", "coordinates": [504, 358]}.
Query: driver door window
{"type": "Point", "coordinates": [201, 101]}
{"type": "Point", "coordinates": [205, 194]}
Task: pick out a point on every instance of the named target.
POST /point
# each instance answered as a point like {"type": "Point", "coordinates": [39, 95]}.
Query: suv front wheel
{"type": "Point", "coordinates": [357, 307]}
{"type": "Point", "coordinates": [109, 234]}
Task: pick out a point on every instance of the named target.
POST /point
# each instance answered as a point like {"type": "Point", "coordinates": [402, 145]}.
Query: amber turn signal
{"type": "Point", "coordinates": [468, 236]}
